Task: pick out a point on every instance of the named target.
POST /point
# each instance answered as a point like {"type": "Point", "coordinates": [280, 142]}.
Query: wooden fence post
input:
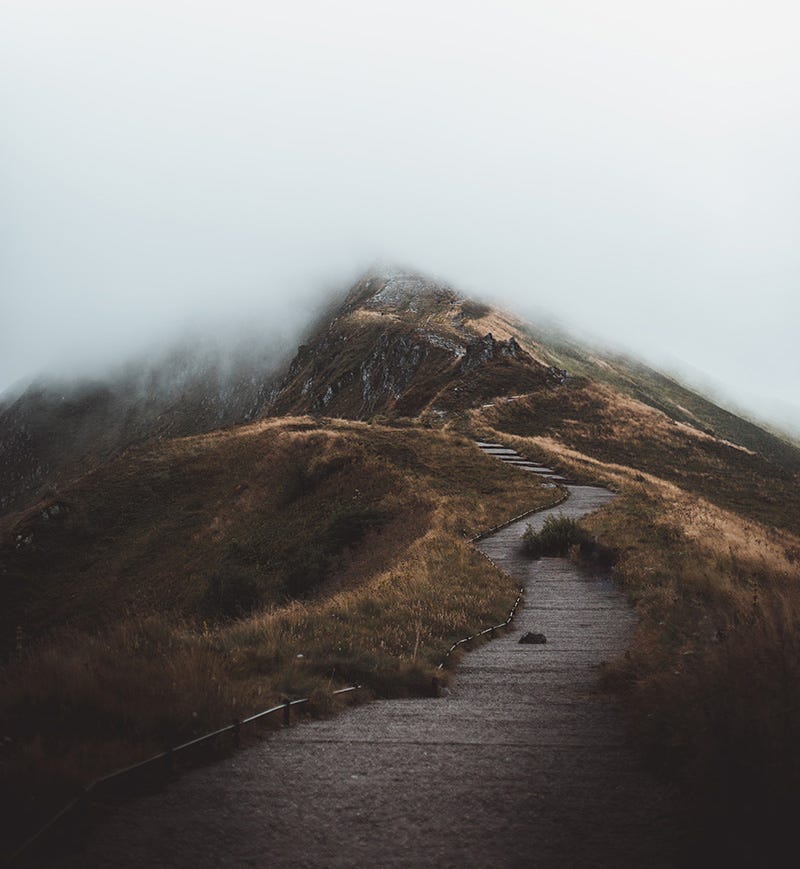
{"type": "Point", "coordinates": [287, 713]}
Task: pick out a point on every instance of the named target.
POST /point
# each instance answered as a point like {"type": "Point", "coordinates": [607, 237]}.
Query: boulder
{"type": "Point", "coordinates": [533, 638]}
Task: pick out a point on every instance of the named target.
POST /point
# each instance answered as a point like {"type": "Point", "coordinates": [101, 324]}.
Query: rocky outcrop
{"type": "Point", "coordinates": [481, 351]}
{"type": "Point", "coordinates": [400, 345]}
{"type": "Point", "coordinates": [401, 292]}
{"type": "Point", "coordinates": [358, 370]}
{"type": "Point", "coordinates": [389, 369]}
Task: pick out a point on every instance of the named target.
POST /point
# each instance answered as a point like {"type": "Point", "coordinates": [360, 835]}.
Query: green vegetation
{"type": "Point", "coordinates": [678, 402]}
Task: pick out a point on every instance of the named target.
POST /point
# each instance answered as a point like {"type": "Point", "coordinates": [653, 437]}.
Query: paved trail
{"type": "Point", "coordinates": [523, 763]}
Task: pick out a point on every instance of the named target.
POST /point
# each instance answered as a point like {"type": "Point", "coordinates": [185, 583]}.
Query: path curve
{"type": "Point", "coordinates": [522, 763]}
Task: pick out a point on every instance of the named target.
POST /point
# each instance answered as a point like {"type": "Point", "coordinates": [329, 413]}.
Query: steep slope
{"type": "Point", "coordinates": [403, 345]}
{"type": "Point", "coordinates": [399, 345]}
{"type": "Point", "coordinates": [217, 569]}
{"type": "Point", "coordinates": [633, 379]}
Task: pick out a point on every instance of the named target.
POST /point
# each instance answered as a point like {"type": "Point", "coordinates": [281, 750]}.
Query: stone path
{"type": "Point", "coordinates": [523, 763]}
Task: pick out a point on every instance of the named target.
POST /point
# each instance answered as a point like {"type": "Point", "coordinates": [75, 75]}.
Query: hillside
{"type": "Point", "coordinates": [177, 547]}
{"type": "Point", "coordinates": [272, 511]}
{"type": "Point", "coordinates": [196, 578]}
{"type": "Point", "coordinates": [57, 428]}
{"type": "Point", "coordinates": [399, 346]}
{"type": "Point", "coordinates": [404, 346]}
{"type": "Point", "coordinates": [644, 384]}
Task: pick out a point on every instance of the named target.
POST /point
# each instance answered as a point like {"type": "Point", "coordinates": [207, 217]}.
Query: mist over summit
{"type": "Point", "coordinates": [240, 467]}
{"type": "Point", "coordinates": [628, 168]}
{"type": "Point", "coordinates": [396, 344]}
{"type": "Point", "coordinates": [284, 519]}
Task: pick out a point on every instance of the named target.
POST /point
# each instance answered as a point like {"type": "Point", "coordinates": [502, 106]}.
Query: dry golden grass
{"type": "Point", "coordinates": [711, 682]}
{"type": "Point", "coordinates": [597, 421]}
{"type": "Point", "coordinates": [387, 607]}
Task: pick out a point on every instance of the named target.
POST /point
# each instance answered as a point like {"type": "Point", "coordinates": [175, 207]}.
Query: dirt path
{"type": "Point", "coordinates": [523, 763]}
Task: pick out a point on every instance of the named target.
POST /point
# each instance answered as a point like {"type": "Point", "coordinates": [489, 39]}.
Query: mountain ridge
{"type": "Point", "coordinates": [396, 344]}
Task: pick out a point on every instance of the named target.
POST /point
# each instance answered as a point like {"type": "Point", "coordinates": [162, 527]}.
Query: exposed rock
{"type": "Point", "coordinates": [483, 350]}
{"type": "Point", "coordinates": [390, 367]}
{"type": "Point", "coordinates": [557, 375]}
{"type": "Point", "coordinates": [454, 347]}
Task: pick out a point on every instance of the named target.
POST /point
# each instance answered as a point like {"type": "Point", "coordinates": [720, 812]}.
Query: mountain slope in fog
{"type": "Point", "coordinates": [405, 346]}
{"type": "Point", "coordinates": [56, 429]}
{"type": "Point", "coordinates": [399, 345]}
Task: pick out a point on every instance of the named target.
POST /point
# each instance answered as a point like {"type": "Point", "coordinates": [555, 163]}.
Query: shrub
{"type": "Point", "coordinates": [556, 537]}
{"type": "Point", "coordinates": [474, 310]}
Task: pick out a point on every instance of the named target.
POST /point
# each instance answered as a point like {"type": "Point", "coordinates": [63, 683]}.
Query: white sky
{"type": "Point", "coordinates": [631, 167]}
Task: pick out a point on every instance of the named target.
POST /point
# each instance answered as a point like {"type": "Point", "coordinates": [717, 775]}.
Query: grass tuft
{"type": "Point", "coordinates": [556, 537]}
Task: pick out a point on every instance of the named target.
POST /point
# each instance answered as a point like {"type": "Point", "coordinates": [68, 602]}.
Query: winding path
{"type": "Point", "coordinates": [522, 763]}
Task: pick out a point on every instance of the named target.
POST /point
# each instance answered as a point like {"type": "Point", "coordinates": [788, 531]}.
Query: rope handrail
{"type": "Point", "coordinates": [563, 497]}
{"type": "Point", "coordinates": [161, 757]}
{"type": "Point", "coordinates": [565, 493]}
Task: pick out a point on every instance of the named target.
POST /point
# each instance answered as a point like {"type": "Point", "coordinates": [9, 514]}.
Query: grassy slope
{"type": "Point", "coordinates": [56, 430]}
{"type": "Point", "coordinates": [142, 537]}
{"type": "Point", "coordinates": [706, 531]}
{"type": "Point", "coordinates": [641, 383]}
{"type": "Point", "coordinates": [597, 420]}
{"type": "Point", "coordinates": [712, 681]}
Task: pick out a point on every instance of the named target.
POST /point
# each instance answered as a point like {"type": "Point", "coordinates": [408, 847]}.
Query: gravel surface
{"type": "Point", "coordinates": [522, 763]}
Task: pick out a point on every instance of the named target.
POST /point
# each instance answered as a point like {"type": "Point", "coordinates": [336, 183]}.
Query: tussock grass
{"type": "Point", "coordinates": [382, 512]}
{"type": "Point", "coordinates": [556, 537]}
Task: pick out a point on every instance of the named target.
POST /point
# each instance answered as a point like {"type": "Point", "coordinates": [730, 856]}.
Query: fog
{"type": "Point", "coordinates": [628, 167]}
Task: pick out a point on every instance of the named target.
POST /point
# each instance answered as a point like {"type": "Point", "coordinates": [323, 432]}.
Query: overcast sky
{"type": "Point", "coordinates": [631, 167]}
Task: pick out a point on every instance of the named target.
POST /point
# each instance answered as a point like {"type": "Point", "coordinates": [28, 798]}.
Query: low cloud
{"type": "Point", "coordinates": [630, 170]}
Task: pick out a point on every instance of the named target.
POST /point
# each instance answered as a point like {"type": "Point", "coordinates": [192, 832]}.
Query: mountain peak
{"type": "Point", "coordinates": [392, 289]}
